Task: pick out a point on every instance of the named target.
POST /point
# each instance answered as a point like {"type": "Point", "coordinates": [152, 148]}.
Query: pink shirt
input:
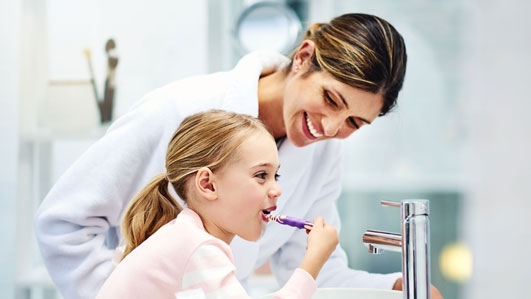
{"type": "Point", "coordinates": [181, 260]}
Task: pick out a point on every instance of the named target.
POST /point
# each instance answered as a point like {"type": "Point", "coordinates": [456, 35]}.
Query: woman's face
{"type": "Point", "coordinates": [247, 186]}
{"type": "Point", "coordinates": [316, 107]}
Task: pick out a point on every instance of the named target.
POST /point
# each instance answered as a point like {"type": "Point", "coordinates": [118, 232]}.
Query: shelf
{"type": "Point", "coordinates": [48, 135]}
{"type": "Point", "coordinates": [36, 277]}
{"type": "Point", "coordinates": [43, 134]}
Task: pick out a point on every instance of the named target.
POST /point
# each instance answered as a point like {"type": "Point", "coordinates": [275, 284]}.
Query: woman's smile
{"type": "Point", "coordinates": [309, 129]}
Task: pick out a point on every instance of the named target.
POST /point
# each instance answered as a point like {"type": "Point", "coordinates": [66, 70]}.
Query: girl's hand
{"type": "Point", "coordinates": [323, 238]}
{"type": "Point", "coordinates": [322, 241]}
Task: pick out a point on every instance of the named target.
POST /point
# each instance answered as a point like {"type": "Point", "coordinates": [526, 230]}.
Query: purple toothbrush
{"type": "Point", "coordinates": [291, 221]}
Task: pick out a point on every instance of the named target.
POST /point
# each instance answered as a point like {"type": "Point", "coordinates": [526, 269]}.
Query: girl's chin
{"type": "Point", "coordinates": [262, 232]}
{"type": "Point", "coordinates": [255, 236]}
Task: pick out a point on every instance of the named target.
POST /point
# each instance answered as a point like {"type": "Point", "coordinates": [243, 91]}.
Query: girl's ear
{"type": "Point", "coordinates": [303, 57]}
{"type": "Point", "coordinates": [204, 183]}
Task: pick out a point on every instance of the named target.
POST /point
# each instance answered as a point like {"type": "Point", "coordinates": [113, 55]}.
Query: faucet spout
{"type": "Point", "coordinates": [378, 241]}
{"type": "Point", "coordinates": [413, 243]}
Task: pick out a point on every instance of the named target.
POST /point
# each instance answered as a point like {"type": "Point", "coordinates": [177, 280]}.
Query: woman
{"type": "Point", "coordinates": [342, 76]}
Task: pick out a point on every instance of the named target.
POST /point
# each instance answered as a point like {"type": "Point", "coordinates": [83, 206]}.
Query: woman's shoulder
{"type": "Point", "coordinates": [195, 90]}
{"type": "Point", "coordinates": [234, 90]}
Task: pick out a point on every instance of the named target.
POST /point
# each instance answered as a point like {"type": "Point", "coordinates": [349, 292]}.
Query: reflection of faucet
{"type": "Point", "coordinates": [414, 244]}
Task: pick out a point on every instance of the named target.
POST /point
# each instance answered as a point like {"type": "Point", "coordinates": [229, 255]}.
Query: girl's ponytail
{"type": "Point", "coordinates": [149, 210]}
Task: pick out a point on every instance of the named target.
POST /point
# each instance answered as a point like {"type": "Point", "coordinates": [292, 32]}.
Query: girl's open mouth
{"type": "Point", "coordinates": [266, 212]}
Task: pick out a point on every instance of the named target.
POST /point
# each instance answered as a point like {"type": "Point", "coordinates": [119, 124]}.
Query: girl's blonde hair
{"type": "Point", "coordinates": [363, 51]}
{"type": "Point", "coordinates": [208, 139]}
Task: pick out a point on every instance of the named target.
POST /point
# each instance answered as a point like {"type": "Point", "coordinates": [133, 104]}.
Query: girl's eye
{"type": "Point", "coordinates": [261, 175]}
{"type": "Point", "coordinates": [329, 100]}
{"type": "Point", "coordinates": [353, 123]}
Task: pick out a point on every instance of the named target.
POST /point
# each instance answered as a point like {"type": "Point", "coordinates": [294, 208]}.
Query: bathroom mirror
{"type": "Point", "coordinates": [268, 26]}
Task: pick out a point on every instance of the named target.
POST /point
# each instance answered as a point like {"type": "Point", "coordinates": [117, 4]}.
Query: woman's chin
{"type": "Point", "coordinates": [297, 139]}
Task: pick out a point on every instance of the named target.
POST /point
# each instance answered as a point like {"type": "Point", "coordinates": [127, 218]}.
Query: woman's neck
{"type": "Point", "coordinates": [270, 102]}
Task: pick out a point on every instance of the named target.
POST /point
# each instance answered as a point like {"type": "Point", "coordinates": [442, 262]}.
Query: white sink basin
{"type": "Point", "coordinates": [343, 293]}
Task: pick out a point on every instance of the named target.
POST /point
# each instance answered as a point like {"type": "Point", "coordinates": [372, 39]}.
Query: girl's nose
{"type": "Point", "coordinates": [275, 191]}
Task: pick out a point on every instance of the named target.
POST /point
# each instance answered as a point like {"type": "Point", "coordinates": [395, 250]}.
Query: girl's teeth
{"type": "Point", "coordinates": [312, 129]}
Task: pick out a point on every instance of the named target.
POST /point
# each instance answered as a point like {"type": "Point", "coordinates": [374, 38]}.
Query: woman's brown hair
{"type": "Point", "coordinates": [363, 51]}
{"type": "Point", "coordinates": [208, 139]}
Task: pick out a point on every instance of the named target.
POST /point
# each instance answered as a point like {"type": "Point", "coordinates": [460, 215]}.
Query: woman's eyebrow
{"type": "Point", "coordinates": [345, 103]}
{"type": "Point", "coordinates": [364, 120]}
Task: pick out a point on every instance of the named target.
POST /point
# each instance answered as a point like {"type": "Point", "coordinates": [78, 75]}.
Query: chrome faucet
{"type": "Point", "coordinates": [414, 243]}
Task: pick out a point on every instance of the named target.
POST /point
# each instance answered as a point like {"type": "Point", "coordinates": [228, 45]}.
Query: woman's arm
{"type": "Point", "coordinates": [335, 272]}
{"type": "Point", "coordinates": [73, 220]}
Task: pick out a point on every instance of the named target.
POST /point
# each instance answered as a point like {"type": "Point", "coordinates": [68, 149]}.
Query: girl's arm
{"type": "Point", "coordinates": [211, 271]}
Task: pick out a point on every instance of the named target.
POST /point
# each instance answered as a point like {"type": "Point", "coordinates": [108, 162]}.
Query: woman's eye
{"type": "Point", "coordinates": [277, 176]}
{"type": "Point", "coordinates": [329, 100]}
{"type": "Point", "coordinates": [353, 123]}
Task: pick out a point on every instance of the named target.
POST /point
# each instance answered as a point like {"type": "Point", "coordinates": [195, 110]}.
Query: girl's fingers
{"type": "Point", "coordinates": [319, 221]}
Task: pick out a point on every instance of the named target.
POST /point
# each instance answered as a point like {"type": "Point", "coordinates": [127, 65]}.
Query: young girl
{"type": "Point", "coordinates": [224, 167]}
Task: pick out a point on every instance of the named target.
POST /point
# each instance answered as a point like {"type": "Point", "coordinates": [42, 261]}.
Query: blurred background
{"type": "Point", "coordinates": [459, 137]}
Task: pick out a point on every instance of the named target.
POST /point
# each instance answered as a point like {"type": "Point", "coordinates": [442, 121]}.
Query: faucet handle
{"type": "Point", "coordinates": [410, 207]}
{"type": "Point", "coordinates": [389, 203]}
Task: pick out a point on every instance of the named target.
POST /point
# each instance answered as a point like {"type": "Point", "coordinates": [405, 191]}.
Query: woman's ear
{"type": "Point", "coordinates": [302, 60]}
{"type": "Point", "coordinates": [204, 183]}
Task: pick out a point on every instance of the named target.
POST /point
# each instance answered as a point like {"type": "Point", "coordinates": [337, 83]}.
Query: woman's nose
{"type": "Point", "coordinates": [331, 125]}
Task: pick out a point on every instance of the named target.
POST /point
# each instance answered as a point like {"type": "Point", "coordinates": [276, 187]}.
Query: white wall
{"type": "Point", "coordinates": [497, 102]}
{"type": "Point", "coordinates": [10, 15]}
{"type": "Point", "coordinates": [157, 42]}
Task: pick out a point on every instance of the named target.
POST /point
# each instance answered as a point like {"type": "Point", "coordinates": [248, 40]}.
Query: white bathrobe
{"type": "Point", "coordinates": [77, 223]}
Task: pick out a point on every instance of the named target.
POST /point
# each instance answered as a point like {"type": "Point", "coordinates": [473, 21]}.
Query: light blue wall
{"type": "Point", "coordinates": [9, 65]}
{"type": "Point", "coordinates": [426, 122]}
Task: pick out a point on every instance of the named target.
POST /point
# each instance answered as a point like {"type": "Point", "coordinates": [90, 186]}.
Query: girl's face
{"type": "Point", "coordinates": [316, 107]}
{"type": "Point", "coordinates": [247, 186]}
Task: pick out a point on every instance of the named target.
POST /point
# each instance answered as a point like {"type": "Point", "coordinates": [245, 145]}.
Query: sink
{"type": "Point", "coordinates": [343, 293]}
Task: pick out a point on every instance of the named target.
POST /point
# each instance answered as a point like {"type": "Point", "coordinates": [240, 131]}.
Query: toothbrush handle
{"type": "Point", "coordinates": [291, 221]}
